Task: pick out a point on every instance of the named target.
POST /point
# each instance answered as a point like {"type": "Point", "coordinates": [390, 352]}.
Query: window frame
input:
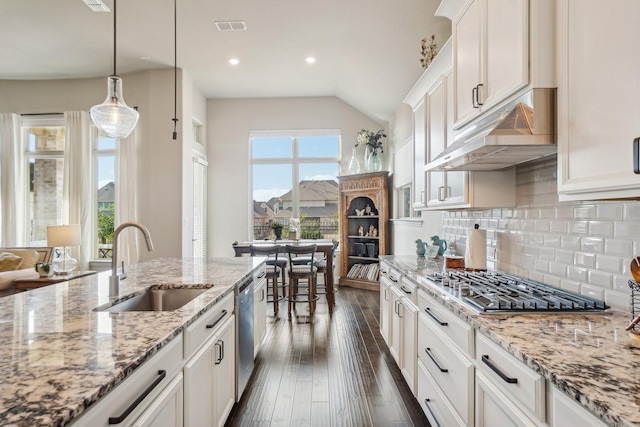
{"type": "Point", "coordinates": [96, 153]}
{"type": "Point", "coordinates": [295, 161]}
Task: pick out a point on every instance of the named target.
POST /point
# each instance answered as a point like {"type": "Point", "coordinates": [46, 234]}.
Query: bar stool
{"type": "Point", "coordinates": [321, 265]}
{"type": "Point", "coordinates": [273, 271]}
{"type": "Point", "coordinates": [302, 271]}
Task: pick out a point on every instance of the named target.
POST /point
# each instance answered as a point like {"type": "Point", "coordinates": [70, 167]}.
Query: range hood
{"type": "Point", "coordinates": [522, 130]}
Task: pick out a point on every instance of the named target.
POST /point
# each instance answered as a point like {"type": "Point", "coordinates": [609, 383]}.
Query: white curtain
{"type": "Point", "coordinates": [12, 182]}
{"type": "Point", "coordinates": [127, 197]}
{"type": "Point", "coordinates": [78, 197]}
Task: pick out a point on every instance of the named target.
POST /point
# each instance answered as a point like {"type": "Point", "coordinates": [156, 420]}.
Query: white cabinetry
{"type": "Point", "coordinates": [409, 332]}
{"type": "Point", "coordinates": [507, 387]}
{"type": "Point", "coordinates": [598, 98]}
{"type": "Point", "coordinates": [209, 379]}
{"type": "Point", "coordinates": [419, 148]}
{"type": "Point", "coordinates": [385, 301]}
{"type": "Point", "coordinates": [499, 48]}
{"type": "Point", "coordinates": [142, 395]}
{"type": "Point", "coordinates": [259, 310]}
{"type": "Point", "coordinates": [566, 412]}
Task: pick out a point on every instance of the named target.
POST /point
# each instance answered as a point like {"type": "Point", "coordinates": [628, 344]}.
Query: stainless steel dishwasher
{"type": "Point", "coordinates": [244, 335]}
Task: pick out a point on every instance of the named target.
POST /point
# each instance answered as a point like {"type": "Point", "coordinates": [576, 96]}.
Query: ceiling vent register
{"type": "Point", "coordinates": [231, 25]}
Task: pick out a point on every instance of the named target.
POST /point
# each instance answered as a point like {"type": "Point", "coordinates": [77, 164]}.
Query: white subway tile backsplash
{"type": "Point", "coordinates": [565, 257]}
{"type": "Point", "coordinates": [592, 244]}
{"type": "Point", "coordinates": [600, 279]}
{"type": "Point", "coordinates": [571, 243]}
{"type": "Point", "coordinates": [618, 247]}
{"type": "Point", "coordinates": [611, 212]}
{"type": "Point", "coordinates": [581, 246]}
{"type": "Point", "coordinates": [578, 227]}
{"type": "Point", "coordinates": [585, 259]}
{"type": "Point", "coordinates": [609, 263]}
{"type": "Point", "coordinates": [601, 228]}
{"type": "Point", "coordinates": [584, 212]}
{"type": "Point", "coordinates": [617, 300]}
{"type": "Point", "coordinates": [592, 291]}
{"type": "Point", "coordinates": [579, 274]}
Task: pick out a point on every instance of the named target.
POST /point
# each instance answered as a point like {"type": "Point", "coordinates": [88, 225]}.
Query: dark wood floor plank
{"type": "Point", "coordinates": [327, 370]}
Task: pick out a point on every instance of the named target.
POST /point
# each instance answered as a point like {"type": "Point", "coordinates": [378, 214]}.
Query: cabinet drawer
{"type": "Point", "coordinates": [409, 289]}
{"type": "Point", "coordinates": [452, 371]}
{"type": "Point", "coordinates": [458, 331]}
{"type": "Point", "coordinates": [152, 377]}
{"type": "Point", "coordinates": [434, 404]}
{"type": "Point", "coordinates": [512, 377]}
{"type": "Point", "coordinates": [260, 273]}
{"type": "Point", "coordinates": [200, 330]}
{"type": "Point", "coordinates": [390, 273]}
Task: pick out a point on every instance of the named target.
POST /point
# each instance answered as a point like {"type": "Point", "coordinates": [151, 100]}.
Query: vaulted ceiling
{"type": "Point", "coordinates": [367, 51]}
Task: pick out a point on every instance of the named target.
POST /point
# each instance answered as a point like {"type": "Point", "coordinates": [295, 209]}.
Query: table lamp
{"type": "Point", "coordinates": [64, 236]}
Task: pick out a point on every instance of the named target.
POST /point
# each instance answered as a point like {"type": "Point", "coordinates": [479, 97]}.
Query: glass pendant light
{"type": "Point", "coordinates": [114, 117]}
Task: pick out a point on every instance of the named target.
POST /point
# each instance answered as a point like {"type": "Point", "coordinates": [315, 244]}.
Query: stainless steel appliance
{"type": "Point", "coordinates": [244, 335]}
{"type": "Point", "coordinates": [497, 292]}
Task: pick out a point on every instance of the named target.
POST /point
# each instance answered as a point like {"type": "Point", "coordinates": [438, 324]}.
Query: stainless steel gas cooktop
{"type": "Point", "coordinates": [497, 292]}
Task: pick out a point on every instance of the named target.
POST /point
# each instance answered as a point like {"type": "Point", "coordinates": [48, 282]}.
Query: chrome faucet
{"type": "Point", "coordinates": [114, 280]}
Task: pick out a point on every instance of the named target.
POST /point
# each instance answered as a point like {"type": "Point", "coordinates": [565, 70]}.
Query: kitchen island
{"type": "Point", "coordinates": [589, 357]}
{"type": "Point", "coordinates": [58, 356]}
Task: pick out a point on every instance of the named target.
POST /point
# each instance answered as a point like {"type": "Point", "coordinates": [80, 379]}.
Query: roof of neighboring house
{"type": "Point", "coordinates": [311, 212]}
{"type": "Point", "coordinates": [262, 209]}
{"type": "Point", "coordinates": [326, 189]}
{"type": "Point", "coordinates": [107, 194]}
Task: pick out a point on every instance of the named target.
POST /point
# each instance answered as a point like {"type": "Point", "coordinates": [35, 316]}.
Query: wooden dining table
{"type": "Point", "coordinates": [324, 246]}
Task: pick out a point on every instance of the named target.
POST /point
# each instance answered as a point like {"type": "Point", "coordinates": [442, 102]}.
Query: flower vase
{"type": "Point", "coordinates": [354, 164]}
{"type": "Point", "coordinates": [374, 162]}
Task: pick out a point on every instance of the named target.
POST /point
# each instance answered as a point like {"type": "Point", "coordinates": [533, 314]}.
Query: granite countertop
{"type": "Point", "coordinates": [589, 356]}
{"type": "Point", "coordinates": [58, 356]}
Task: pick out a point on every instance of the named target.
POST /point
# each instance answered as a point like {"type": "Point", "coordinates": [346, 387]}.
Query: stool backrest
{"type": "Point", "coordinates": [297, 251]}
{"type": "Point", "coordinates": [270, 251]}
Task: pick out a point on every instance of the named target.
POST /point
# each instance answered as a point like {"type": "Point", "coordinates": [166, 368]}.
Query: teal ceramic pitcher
{"type": "Point", "coordinates": [442, 244]}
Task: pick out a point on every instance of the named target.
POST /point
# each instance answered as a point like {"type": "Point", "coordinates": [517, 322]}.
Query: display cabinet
{"type": "Point", "coordinates": [364, 218]}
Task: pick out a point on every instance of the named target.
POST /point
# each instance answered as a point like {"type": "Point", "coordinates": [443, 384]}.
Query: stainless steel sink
{"type": "Point", "coordinates": [156, 300]}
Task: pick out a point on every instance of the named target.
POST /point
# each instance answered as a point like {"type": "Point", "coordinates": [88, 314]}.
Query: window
{"type": "Point", "coordinates": [104, 154]}
{"type": "Point", "coordinates": [404, 201]}
{"type": "Point", "coordinates": [44, 138]}
{"type": "Point", "coordinates": [295, 180]}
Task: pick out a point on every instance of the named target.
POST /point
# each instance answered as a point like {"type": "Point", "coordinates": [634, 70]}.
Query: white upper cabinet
{"type": "Point", "coordinates": [500, 47]}
{"type": "Point", "coordinates": [419, 148]}
{"type": "Point", "coordinates": [598, 98]}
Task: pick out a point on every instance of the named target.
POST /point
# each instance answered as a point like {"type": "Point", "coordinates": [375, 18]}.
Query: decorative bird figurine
{"type": "Point", "coordinates": [421, 247]}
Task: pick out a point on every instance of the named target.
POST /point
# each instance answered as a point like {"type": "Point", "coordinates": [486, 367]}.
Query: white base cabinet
{"type": "Point", "coordinates": [493, 408]}
{"type": "Point", "coordinates": [567, 412]}
{"type": "Point", "coordinates": [167, 409]}
{"type": "Point", "coordinates": [210, 379]}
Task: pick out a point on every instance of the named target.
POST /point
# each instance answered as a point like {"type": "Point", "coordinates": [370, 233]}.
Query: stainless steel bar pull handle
{"type": "Point", "coordinates": [405, 290]}
{"type": "Point", "coordinates": [494, 368]}
{"type": "Point", "coordinates": [220, 347]}
{"type": "Point", "coordinates": [478, 94]}
{"type": "Point", "coordinates": [125, 414]}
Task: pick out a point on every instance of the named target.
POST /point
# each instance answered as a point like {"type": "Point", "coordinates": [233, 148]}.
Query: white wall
{"type": "Point", "coordinates": [229, 123]}
{"type": "Point", "coordinates": [160, 158]}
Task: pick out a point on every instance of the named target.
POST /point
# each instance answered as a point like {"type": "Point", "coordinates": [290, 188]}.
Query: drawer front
{"type": "Point", "coordinates": [199, 331]}
{"type": "Point", "coordinates": [512, 377]}
{"type": "Point", "coordinates": [260, 273]}
{"type": "Point", "coordinates": [409, 288]}
{"type": "Point", "coordinates": [567, 411]}
{"type": "Point", "coordinates": [452, 371]}
{"type": "Point", "coordinates": [390, 273]}
{"type": "Point", "coordinates": [433, 402]}
{"type": "Point", "coordinates": [460, 332]}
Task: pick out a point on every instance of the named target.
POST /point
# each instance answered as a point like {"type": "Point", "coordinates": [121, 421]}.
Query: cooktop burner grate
{"type": "Point", "coordinates": [489, 291]}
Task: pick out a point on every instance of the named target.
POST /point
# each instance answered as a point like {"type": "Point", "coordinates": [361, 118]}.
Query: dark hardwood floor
{"type": "Point", "coordinates": [327, 370]}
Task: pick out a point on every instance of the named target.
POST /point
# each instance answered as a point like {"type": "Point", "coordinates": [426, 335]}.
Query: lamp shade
{"type": "Point", "coordinates": [64, 235]}
{"type": "Point", "coordinates": [114, 117]}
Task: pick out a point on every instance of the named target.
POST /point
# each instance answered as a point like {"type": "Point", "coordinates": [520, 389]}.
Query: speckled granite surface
{"type": "Point", "coordinates": [57, 355]}
{"type": "Point", "coordinates": [589, 356]}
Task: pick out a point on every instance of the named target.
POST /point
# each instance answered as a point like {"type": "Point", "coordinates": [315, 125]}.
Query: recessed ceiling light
{"type": "Point", "coordinates": [234, 61]}
{"type": "Point", "coordinates": [310, 59]}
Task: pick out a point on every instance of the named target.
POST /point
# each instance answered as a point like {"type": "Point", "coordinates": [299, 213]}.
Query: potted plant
{"type": "Point", "coordinates": [277, 229]}
{"type": "Point", "coordinates": [43, 269]}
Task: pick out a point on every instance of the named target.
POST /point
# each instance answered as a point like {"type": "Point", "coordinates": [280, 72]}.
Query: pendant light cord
{"type": "Point", "coordinates": [175, 70]}
{"type": "Point", "coordinates": [114, 37]}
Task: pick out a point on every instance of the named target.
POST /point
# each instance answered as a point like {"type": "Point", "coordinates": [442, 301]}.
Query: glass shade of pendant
{"type": "Point", "coordinates": [114, 117]}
